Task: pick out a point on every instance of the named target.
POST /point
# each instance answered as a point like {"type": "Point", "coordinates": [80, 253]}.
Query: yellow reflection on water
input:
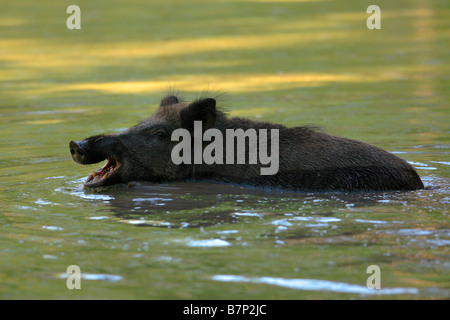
{"type": "Point", "coordinates": [31, 53]}
{"type": "Point", "coordinates": [230, 83]}
{"type": "Point", "coordinates": [47, 121]}
{"type": "Point", "coordinates": [11, 22]}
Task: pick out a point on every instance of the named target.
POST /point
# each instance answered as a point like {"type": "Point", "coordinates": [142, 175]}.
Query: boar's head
{"type": "Point", "coordinates": [143, 152]}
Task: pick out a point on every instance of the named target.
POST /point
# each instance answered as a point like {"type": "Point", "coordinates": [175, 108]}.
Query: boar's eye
{"type": "Point", "coordinates": [159, 131]}
{"type": "Point", "coordinates": [161, 134]}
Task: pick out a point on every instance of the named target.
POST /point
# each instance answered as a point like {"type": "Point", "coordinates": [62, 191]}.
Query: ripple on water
{"type": "Point", "coordinates": [318, 220]}
{"type": "Point", "coordinates": [42, 202]}
{"type": "Point", "coordinates": [153, 200]}
{"type": "Point", "coordinates": [247, 214]}
{"type": "Point", "coordinates": [93, 196]}
{"type": "Point", "coordinates": [99, 218]}
{"type": "Point", "coordinates": [413, 232]}
{"type": "Point", "coordinates": [370, 221]}
{"type": "Point", "coordinates": [208, 243]}
{"type": "Point", "coordinates": [94, 276]}
{"type": "Point", "coordinates": [227, 231]}
{"type": "Point", "coordinates": [154, 223]}
{"type": "Point", "coordinates": [52, 228]}
{"type": "Point", "coordinates": [316, 285]}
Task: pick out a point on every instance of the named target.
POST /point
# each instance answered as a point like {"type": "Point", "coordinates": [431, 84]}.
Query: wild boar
{"type": "Point", "coordinates": [307, 160]}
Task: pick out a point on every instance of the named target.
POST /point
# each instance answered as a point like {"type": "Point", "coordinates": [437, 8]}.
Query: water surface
{"type": "Point", "coordinates": [294, 62]}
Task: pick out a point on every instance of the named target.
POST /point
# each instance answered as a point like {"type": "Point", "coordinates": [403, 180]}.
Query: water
{"type": "Point", "coordinates": [313, 63]}
{"type": "Point", "coordinates": [180, 240]}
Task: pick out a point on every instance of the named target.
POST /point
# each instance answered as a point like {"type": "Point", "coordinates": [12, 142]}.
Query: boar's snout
{"type": "Point", "coordinates": [94, 149]}
{"type": "Point", "coordinates": [78, 150]}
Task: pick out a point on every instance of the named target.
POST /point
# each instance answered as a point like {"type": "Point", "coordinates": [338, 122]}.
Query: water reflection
{"type": "Point", "coordinates": [205, 204]}
{"type": "Point", "coordinates": [189, 204]}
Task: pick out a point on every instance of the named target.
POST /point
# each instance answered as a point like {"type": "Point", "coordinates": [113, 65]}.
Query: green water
{"type": "Point", "coordinates": [293, 62]}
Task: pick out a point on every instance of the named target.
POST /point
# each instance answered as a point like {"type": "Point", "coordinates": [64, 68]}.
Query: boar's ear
{"type": "Point", "coordinates": [169, 100]}
{"type": "Point", "coordinates": [201, 110]}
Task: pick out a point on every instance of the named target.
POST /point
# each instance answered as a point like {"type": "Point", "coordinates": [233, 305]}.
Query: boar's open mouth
{"type": "Point", "coordinates": [107, 175]}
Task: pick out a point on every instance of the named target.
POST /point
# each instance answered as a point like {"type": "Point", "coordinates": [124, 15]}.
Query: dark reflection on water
{"type": "Point", "coordinates": [194, 204]}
